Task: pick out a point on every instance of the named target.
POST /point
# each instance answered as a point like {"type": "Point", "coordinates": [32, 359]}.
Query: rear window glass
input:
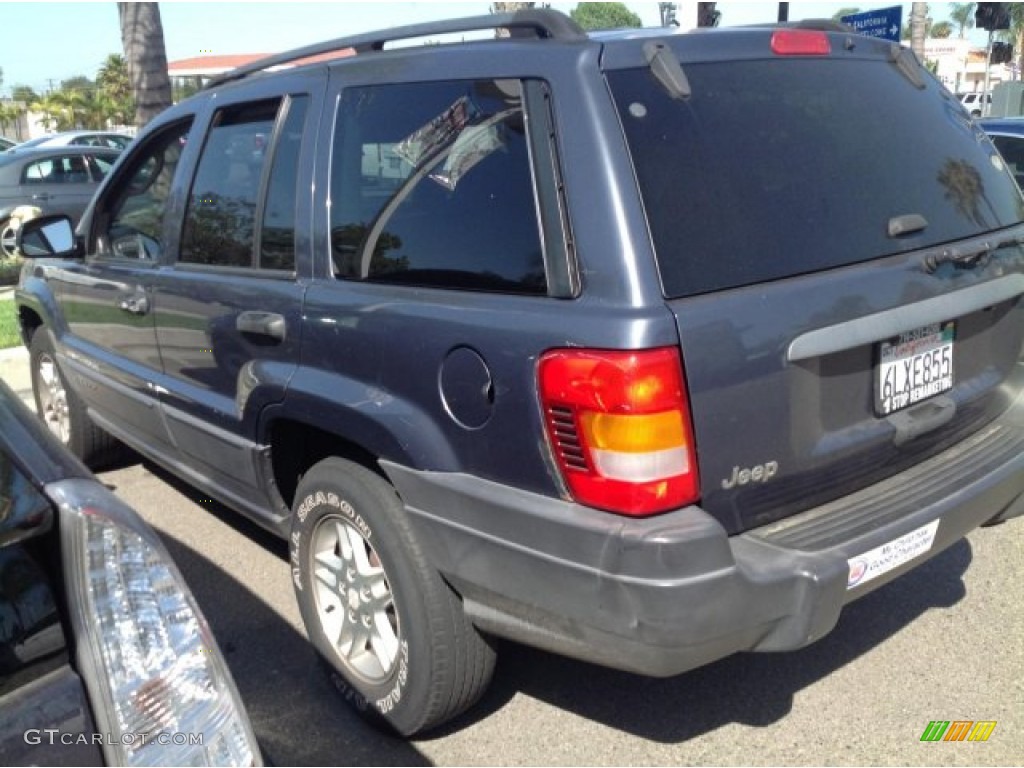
{"type": "Point", "coordinates": [773, 169]}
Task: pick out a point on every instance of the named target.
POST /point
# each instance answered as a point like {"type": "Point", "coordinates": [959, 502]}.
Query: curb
{"type": "Point", "coordinates": [14, 371]}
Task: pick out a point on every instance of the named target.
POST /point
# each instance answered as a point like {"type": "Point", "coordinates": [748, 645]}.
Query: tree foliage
{"type": "Point", "coordinates": [113, 82]}
{"type": "Point", "coordinates": [941, 29]}
{"type": "Point", "coordinates": [23, 93]}
{"type": "Point", "coordinates": [838, 15]}
{"type": "Point", "coordinates": [962, 15]}
{"type": "Point", "coordinates": [593, 16]}
{"type": "Point", "coordinates": [98, 104]}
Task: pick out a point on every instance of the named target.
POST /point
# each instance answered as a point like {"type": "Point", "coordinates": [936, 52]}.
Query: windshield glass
{"type": "Point", "coordinates": [773, 169]}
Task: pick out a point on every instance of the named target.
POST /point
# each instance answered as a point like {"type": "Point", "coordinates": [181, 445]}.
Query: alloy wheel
{"type": "Point", "coordinates": [53, 398]}
{"type": "Point", "coordinates": [354, 602]}
{"type": "Point", "coordinates": [8, 241]}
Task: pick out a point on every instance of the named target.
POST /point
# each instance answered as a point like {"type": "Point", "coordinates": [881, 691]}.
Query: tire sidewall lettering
{"type": "Point", "coordinates": [331, 499]}
{"type": "Point", "coordinates": [393, 697]}
{"type": "Point", "coordinates": [310, 502]}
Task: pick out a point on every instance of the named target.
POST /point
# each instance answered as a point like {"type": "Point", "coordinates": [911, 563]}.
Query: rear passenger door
{"type": "Point", "coordinates": [228, 309]}
{"type": "Point", "coordinates": [448, 264]}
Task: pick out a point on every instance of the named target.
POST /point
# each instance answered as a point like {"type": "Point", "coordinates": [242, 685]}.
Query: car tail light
{"type": "Point", "coordinates": [619, 426]}
{"type": "Point", "coordinates": [800, 42]}
{"type": "Point", "coordinates": [162, 693]}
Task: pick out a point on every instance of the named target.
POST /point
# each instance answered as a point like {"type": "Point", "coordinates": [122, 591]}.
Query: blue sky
{"type": "Point", "coordinates": [42, 43]}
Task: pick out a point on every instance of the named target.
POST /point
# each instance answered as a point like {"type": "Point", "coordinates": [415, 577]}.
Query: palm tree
{"type": "Point", "coordinates": [9, 113]}
{"type": "Point", "coordinates": [508, 8]}
{"type": "Point", "coordinates": [962, 14]}
{"type": "Point", "coordinates": [941, 29]}
{"type": "Point", "coordinates": [142, 36]}
{"type": "Point", "coordinates": [56, 115]}
{"type": "Point", "coordinates": [115, 87]}
{"type": "Point", "coordinates": [74, 104]}
{"type": "Point", "coordinates": [918, 28]}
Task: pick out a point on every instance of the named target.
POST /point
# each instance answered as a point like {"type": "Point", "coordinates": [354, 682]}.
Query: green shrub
{"type": "Point", "coordinates": [9, 269]}
{"type": "Point", "coordinates": [9, 336]}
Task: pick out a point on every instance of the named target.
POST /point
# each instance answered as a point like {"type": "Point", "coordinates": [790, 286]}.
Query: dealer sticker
{"type": "Point", "coordinates": [881, 560]}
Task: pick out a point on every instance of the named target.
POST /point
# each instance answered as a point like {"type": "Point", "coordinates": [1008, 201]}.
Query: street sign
{"type": "Point", "coordinates": [882, 22]}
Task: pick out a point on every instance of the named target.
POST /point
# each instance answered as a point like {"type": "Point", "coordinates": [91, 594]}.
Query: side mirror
{"type": "Point", "coordinates": [47, 236]}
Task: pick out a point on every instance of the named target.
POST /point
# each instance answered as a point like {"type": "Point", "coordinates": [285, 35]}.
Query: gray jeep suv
{"type": "Point", "coordinates": [644, 348]}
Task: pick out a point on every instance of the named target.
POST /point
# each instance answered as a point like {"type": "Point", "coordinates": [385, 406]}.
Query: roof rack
{"type": "Point", "coordinates": [542, 23]}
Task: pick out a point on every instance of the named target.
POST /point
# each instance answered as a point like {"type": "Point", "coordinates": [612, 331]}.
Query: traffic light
{"type": "Point", "coordinates": [707, 16]}
{"type": "Point", "coordinates": [1002, 53]}
{"type": "Point", "coordinates": [992, 16]}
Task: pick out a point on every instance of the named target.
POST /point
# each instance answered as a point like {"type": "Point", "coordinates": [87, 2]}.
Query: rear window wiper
{"type": "Point", "coordinates": [667, 70]}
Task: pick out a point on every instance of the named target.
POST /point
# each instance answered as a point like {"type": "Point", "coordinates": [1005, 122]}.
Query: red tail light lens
{"type": "Point", "coordinates": [619, 426]}
{"type": "Point", "coordinates": [800, 42]}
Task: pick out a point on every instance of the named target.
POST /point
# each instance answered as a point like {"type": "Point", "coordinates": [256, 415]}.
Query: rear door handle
{"type": "Point", "coordinates": [41, 196]}
{"type": "Point", "coordinates": [267, 324]}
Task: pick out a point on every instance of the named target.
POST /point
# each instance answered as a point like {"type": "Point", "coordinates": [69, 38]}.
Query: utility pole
{"type": "Point", "coordinates": [668, 14]}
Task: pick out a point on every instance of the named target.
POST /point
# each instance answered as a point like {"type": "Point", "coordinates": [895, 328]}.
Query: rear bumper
{"type": "Point", "coordinates": [662, 595]}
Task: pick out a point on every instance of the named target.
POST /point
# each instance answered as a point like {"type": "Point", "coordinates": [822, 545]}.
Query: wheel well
{"type": "Point", "coordinates": [295, 447]}
{"type": "Point", "coordinates": [29, 322]}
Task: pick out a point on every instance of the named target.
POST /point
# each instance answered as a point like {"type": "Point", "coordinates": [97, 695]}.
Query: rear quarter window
{"type": "Point", "coordinates": [431, 186]}
{"type": "Point", "coordinates": [775, 168]}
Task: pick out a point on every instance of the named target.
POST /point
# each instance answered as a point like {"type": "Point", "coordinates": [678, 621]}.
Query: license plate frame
{"type": "Point", "coordinates": [914, 366]}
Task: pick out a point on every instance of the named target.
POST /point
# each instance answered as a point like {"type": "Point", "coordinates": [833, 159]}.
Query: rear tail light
{"type": "Point", "coordinates": [161, 690]}
{"type": "Point", "coordinates": [800, 42]}
{"type": "Point", "coordinates": [619, 426]}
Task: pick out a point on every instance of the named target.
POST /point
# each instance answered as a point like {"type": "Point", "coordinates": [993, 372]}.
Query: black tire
{"type": "Point", "coordinates": [435, 664]}
{"type": "Point", "coordinates": [56, 400]}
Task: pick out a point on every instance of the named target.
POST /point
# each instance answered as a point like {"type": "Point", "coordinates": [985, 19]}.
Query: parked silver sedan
{"type": "Point", "coordinates": [59, 180]}
{"type": "Point", "coordinates": [106, 139]}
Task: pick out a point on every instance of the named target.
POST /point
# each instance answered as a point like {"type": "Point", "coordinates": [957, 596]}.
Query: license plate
{"type": "Point", "coordinates": [914, 366]}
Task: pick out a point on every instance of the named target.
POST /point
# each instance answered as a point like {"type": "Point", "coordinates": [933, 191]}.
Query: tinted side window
{"type": "Point", "coordinates": [431, 185]}
{"type": "Point", "coordinates": [1012, 150]}
{"type": "Point", "coordinates": [277, 235]}
{"type": "Point", "coordinates": [58, 170]}
{"type": "Point", "coordinates": [220, 222]}
{"type": "Point", "coordinates": [135, 224]}
{"type": "Point", "coordinates": [38, 172]}
{"type": "Point", "coordinates": [100, 167]}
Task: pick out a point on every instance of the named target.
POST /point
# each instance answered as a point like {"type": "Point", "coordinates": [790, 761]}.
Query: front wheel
{"type": "Point", "coordinates": [61, 409]}
{"type": "Point", "coordinates": [391, 631]}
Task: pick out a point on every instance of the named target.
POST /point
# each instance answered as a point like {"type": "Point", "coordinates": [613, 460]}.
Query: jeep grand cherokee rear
{"type": "Point", "coordinates": [846, 398]}
{"type": "Point", "coordinates": [643, 348]}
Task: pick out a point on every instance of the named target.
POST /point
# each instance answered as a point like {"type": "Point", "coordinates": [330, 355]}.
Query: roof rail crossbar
{"type": "Point", "coordinates": [543, 23]}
